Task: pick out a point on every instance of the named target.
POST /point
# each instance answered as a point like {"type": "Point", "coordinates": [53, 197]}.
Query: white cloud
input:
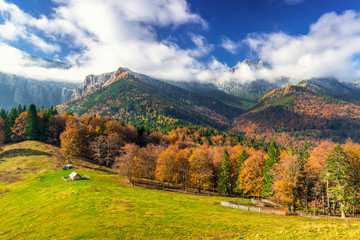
{"type": "Point", "coordinates": [159, 12]}
{"type": "Point", "coordinates": [42, 45]}
{"type": "Point", "coordinates": [112, 33]}
{"type": "Point", "coordinates": [230, 45]}
{"type": "Point", "coordinates": [327, 50]}
{"type": "Point", "coordinates": [9, 31]}
{"type": "Point", "coordinates": [202, 47]}
{"type": "Point", "coordinates": [17, 62]}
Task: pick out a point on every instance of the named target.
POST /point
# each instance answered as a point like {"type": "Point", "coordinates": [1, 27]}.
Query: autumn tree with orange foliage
{"type": "Point", "coordinates": [147, 158]}
{"type": "Point", "coordinates": [240, 159]}
{"type": "Point", "coordinates": [287, 174]}
{"type": "Point", "coordinates": [75, 140]}
{"type": "Point", "coordinates": [201, 169]}
{"type": "Point", "coordinates": [165, 165]}
{"type": "Point", "coordinates": [352, 150]}
{"type": "Point", "coordinates": [182, 165]}
{"type": "Point", "coordinates": [125, 164]}
{"type": "Point", "coordinates": [251, 176]}
{"type": "Point", "coordinates": [18, 129]}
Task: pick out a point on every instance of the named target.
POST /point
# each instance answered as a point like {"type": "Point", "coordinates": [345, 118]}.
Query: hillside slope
{"type": "Point", "coordinates": [106, 207]}
{"type": "Point", "coordinates": [138, 99]}
{"type": "Point", "coordinates": [30, 157]}
{"type": "Point", "coordinates": [301, 112]}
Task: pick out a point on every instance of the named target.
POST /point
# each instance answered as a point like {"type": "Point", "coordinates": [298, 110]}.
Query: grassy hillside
{"type": "Point", "coordinates": [105, 207]}
{"type": "Point", "coordinates": [21, 159]}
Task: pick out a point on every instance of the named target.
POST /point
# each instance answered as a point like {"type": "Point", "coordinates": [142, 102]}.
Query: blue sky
{"type": "Point", "coordinates": [182, 40]}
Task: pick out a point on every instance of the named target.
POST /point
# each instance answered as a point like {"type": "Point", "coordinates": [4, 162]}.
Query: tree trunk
{"type": "Point", "coordinates": [328, 198]}
{"type": "Point", "coordinates": [342, 210]}
{"type": "Point", "coordinates": [323, 200]}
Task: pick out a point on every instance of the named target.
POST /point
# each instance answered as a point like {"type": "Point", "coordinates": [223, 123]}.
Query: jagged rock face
{"type": "Point", "coordinates": [92, 83]}
{"type": "Point", "coordinates": [253, 65]}
{"type": "Point", "coordinates": [15, 90]}
{"type": "Point", "coordinates": [257, 87]}
{"type": "Point", "coordinates": [336, 88]}
{"type": "Point", "coordinates": [95, 82]}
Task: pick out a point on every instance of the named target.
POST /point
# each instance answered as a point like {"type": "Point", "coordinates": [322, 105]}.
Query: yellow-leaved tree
{"type": "Point", "coordinates": [251, 175]}
{"type": "Point", "coordinates": [201, 169]}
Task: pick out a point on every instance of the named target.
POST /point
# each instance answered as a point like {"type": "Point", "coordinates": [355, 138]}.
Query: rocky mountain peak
{"type": "Point", "coordinates": [252, 64]}
{"type": "Point", "coordinates": [92, 83]}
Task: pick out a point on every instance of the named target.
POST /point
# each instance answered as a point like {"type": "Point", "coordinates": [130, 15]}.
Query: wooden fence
{"type": "Point", "coordinates": [255, 208]}
{"type": "Point", "coordinates": [280, 211]}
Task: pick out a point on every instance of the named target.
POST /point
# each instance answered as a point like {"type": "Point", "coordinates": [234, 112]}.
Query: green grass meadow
{"type": "Point", "coordinates": [106, 207]}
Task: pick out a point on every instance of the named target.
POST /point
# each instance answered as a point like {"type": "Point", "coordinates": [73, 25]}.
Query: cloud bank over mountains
{"type": "Point", "coordinates": [101, 35]}
{"type": "Point", "coordinates": [329, 49]}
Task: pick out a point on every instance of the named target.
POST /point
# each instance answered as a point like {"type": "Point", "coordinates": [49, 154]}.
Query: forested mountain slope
{"type": "Point", "coordinates": [301, 112]}
{"type": "Point", "coordinates": [138, 99]}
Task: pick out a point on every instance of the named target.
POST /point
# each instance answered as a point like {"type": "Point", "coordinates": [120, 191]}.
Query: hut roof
{"type": "Point", "coordinates": [73, 174]}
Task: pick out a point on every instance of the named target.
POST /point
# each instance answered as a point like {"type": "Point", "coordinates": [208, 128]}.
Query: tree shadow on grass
{"type": "Point", "coordinates": [96, 169]}
{"type": "Point", "coordinates": [23, 152]}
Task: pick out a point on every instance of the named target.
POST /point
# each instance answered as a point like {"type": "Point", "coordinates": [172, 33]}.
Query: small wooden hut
{"type": "Point", "coordinates": [67, 167]}
{"type": "Point", "coordinates": [74, 176]}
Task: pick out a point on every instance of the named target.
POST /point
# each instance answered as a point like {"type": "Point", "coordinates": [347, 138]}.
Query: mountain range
{"type": "Point", "coordinates": [313, 109]}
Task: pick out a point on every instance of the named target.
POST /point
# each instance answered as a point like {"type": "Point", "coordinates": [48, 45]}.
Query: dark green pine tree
{"type": "Point", "coordinates": [9, 122]}
{"type": "Point", "coordinates": [20, 109]}
{"type": "Point", "coordinates": [3, 114]}
{"type": "Point", "coordinates": [337, 167]}
{"type": "Point", "coordinates": [32, 127]}
{"type": "Point", "coordinates": [240, 160]}
{"type": "Point", "coordinates": [224, 182]}
{"type": "Point", "coordinates": [273, 157]}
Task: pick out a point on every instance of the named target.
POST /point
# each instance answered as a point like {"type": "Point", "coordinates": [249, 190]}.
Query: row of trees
{"type": "Point", "coordinates": [325, 179]}
{"type": "Point", "coordinates": [102, 139]}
